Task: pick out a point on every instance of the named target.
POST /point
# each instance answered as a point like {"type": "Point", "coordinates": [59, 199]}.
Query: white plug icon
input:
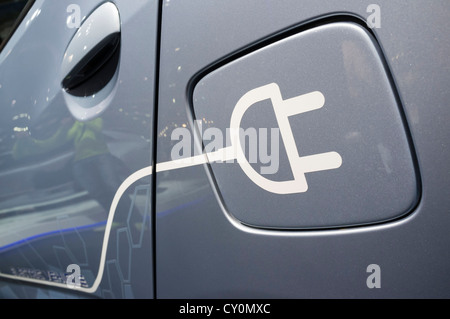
{"type": "Point", "coordinates": [283, 110]}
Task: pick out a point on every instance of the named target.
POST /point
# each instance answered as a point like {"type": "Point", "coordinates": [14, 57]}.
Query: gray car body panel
{"type": "Point", "coordinates": [204, 253]}
{"type": "Point", "coordinates": [201, 251]}
{"type": "Point", "coordinates": [55, 210]}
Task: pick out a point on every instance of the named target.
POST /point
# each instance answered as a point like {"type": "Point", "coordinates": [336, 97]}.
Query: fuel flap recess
{"type": "Point", "coordinates": [312, 133]}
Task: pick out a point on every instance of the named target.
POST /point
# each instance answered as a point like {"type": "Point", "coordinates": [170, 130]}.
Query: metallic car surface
{"type": "Point", "coordinates": [168, 230]}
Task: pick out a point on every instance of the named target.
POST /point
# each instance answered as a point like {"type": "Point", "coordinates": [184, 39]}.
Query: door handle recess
{"type": "Point", "coordinates": [96, 69]}
{"type": "Point", "coordinates": [91, 62]}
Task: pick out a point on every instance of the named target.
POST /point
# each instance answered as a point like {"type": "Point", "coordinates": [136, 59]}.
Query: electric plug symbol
{"type": "Point", "coordinates": [300, 165]}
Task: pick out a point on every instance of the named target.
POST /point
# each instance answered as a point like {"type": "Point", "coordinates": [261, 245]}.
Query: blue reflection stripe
{"type": "Point", "coordinates": [102, 223]}
{"type": "Point", "coordinates": [34, 237]}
